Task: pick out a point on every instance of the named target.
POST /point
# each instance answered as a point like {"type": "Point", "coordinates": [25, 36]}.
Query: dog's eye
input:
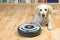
{"type": "Point", "coordinates": [40, 9]}
{"type": "Point", "coordinates": [45, 9]}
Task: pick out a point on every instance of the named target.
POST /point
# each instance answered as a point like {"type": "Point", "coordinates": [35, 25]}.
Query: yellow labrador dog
{"type": "Point", "coordinates": [42, 15]}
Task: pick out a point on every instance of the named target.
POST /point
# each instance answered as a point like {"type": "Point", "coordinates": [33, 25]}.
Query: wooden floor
{"type": "Point", "coordinates": [11, 16]}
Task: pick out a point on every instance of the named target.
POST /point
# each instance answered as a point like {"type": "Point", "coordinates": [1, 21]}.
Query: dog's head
{"type": "Point", "coordinates": [44, 10]}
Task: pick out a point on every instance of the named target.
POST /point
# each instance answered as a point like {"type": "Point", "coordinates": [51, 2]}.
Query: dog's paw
{"type": "Point", "coordinates": [49, 27]}
{"type": "Point", "coordinates": [41, 28]}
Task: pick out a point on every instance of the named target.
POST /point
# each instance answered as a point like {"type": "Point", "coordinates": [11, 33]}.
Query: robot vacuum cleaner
{"type": "Point", "coordinates": [29, 30]}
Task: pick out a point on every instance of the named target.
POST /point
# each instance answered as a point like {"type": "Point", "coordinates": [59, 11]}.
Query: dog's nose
{"type": "Point", "coordinates": [43, 15]}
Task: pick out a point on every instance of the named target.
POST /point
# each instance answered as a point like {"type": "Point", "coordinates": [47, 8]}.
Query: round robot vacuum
{"type": "Point", "coordinates": [29, 30]}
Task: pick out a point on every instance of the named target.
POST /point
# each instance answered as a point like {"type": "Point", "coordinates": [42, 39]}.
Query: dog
{"type": "Point", "coordinates": [43, 15]}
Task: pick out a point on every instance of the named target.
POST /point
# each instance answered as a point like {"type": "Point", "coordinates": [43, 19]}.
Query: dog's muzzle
{"type": "Point", "coordinates": [43, 15]}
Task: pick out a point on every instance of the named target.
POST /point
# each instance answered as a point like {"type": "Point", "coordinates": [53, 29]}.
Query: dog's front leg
{"type": "Point", "coordinates": [37, 20]}
{"type": "Point", "coordinates": [49, 22]}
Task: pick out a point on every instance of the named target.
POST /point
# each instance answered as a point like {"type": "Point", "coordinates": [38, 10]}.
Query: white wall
{"type": "Point", "coordinates": [28, 1]}
{"type": "Point", "coordinates": [15, 1]}
{"type": "Point", "coordinates": [8, 1]}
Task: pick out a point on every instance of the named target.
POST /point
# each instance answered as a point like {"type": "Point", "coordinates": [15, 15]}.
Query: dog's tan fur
{"type": "Point", "coordinates": [43, 20]}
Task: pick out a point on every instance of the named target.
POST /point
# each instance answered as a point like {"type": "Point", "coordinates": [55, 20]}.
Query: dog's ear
{"type": "Point", "coordinates": [37, 10]}
{"type": "Point", "coordinates": [50, 9]}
